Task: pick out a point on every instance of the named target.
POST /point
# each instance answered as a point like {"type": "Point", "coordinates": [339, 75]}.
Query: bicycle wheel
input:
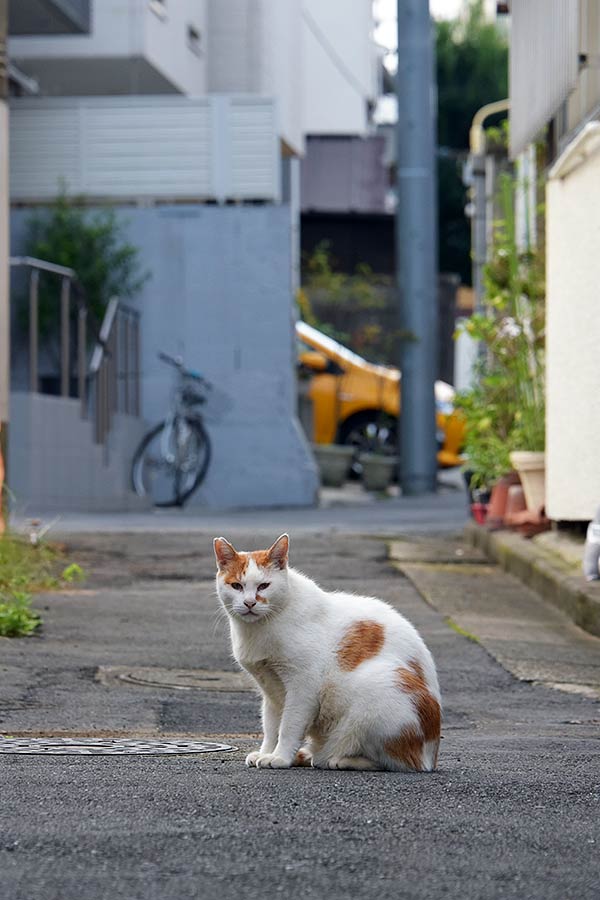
{"type": "Point", "coordinates": [171, 461]}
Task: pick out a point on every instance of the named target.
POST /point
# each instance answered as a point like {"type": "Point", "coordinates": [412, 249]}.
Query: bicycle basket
{"type": "Point", "coordinates": [217, 403]}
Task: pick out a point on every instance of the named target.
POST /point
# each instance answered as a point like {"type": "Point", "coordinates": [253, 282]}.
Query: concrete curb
{"type": "Point", "coordinates": [544, 573]}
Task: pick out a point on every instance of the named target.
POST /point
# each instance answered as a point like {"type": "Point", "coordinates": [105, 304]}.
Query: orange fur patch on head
{"type": "Point", "coordinates": [411, 680]}
{"type": "Point", "coordinates": [407, 748]}
{"type": "Point", "coordinates": [275, 557]}
{"type": "Point", "coordinates": [261, 599]}
{"type": "Point", "coordinates": [234, 570]}
{"type": "Point", "coordinates": [361, 641]}
{"type": "Point", "coordinates": [261, 558]}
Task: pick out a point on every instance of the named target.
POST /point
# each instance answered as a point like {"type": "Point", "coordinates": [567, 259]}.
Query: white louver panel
{"type": "Point", "coordinates": [164, 148]}
{"type": "Point", "coordinates": [543, 64]}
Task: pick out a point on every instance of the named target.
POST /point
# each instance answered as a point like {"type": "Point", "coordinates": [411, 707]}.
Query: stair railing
{"type": "Point", "coordinates": [111, 382]}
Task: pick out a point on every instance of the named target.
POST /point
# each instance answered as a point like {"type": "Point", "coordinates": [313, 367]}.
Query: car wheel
{"type": "Point", "coordinates": [369, 432]}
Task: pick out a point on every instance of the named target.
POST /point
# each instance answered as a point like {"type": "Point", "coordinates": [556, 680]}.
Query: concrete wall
{"type": "Point", "coordinates": [344, 174]}
{"type": "Point", "coordinates": [220, 295]}
{"type": "Point", "coordinates": [55, 465]}
{"type": "Point", "coordinates": [573, 337]}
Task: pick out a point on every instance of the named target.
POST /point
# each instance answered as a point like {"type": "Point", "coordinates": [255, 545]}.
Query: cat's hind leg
{"type": "Point", "coordinates": [303, 757]}
{"type": "Point", "coordinates": [344, 749]}
{"type": "Point", "coordinates": [359, 763]}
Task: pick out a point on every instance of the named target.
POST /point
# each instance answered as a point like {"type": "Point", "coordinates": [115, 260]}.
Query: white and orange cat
{"type": "Point", "coordinates": [347, 682]}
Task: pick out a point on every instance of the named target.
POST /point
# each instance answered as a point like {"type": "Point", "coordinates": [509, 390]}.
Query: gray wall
{"type": "Point", "coordinates": [220, 296]}
{"type": "Point", "coordinates": [55, 465]}
{"type": "Point", "coordinates": [344, 174]}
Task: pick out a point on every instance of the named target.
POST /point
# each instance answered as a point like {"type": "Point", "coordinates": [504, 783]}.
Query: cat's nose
{"type": "Point", "coordinates": [249, 603]}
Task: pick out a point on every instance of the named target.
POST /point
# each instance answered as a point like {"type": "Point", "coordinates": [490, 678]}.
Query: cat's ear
{"type": "Point", "coordinates": [224, 552]}
{"type": "Point", "coordinates": [278, 552]}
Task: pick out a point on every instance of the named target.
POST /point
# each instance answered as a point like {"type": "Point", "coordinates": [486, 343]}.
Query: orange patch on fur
{"type": "Point", "coordinates": [302, 759]}
{"type": "Point", "coordinates": [361, 641]}
{"type": "Point", "coordinates": [261, 558]}
{"type": "Point", "coordinates": [411, 680]}
{"type": "Point", "coordinates": [264, 560]}
{"type": "Point", "coordinates": [234, 570]}
{"type": "Point", "coordinates": [261, 599]}
{"type": "Point", "coordinates": [407, 748]}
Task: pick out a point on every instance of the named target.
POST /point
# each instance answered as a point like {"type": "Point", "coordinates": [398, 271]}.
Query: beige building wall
{"type": "Point", "coordinates": [573, 330]}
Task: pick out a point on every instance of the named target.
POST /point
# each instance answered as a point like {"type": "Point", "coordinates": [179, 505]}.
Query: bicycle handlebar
{"type": "Point", "coordinates": [177, 363]}
{"type": "Point", "coordinates": [171, 360]}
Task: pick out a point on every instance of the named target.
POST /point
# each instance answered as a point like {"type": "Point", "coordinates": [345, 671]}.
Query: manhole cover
{"type": "Point", "coordinates": [107, 746]}
{"type": "Point", "coordinates": [175, 679]}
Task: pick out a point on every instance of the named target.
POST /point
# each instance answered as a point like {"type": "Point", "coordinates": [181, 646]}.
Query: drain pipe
{"type": "Point", "coordinates": [478, 219]}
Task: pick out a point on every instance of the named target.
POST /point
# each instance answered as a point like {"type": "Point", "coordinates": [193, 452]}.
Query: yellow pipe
{"type": "Point", "coordinates": [477, 134]}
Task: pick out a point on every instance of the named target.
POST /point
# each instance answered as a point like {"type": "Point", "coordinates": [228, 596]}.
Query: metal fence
{"type": "Point", "coordinates": [110, 382]}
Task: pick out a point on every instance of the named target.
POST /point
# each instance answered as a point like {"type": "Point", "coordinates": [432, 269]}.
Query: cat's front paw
{"type": "Point", "coordinates": [271, 761]}
{"type": "Point", "coordinates": [252, 757]}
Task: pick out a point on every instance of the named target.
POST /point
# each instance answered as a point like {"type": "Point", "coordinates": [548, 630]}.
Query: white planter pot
{"type": "Point", "coordinates": [378, 470]}
{"type": "Point", "coordinates": [334, 461]}
{"type": "Point", "coordinates": [531, 467]}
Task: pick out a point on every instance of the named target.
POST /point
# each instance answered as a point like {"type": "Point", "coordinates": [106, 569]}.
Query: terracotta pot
{"type": "Point", "coordinates": [515, 504]}
{"type": "Point", "coordinates": [479, 512]}
{"type": "Point", "coordinates": [531, 467]}
{"type": "Point", "coordinates": [498, 500]}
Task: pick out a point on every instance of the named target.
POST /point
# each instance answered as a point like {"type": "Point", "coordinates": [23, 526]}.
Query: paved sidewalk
{"type": "Point", "coordinates": [511, 813]}
{"type": "Point", "coordinates": [349, 510]}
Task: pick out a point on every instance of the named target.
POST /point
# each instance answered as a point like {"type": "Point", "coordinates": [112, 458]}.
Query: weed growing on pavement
{"type": "Point", "coordinates": [462, 631]}
{"type": "Point", "coordinates": [17, 619]}
{"type": "Point", "coordinates": [26, 568]}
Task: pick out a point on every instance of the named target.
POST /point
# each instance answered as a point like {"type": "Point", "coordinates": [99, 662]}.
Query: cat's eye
{"type": "Point", "coordinates": [237, 586]}
{"type": "Point", "coordinates": [264, 585]}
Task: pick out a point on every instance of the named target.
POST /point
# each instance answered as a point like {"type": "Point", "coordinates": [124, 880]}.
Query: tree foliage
{"type": "Point", "coordinates": [472, 70]}
{"type": "Point", "coordinates": [91, 242]}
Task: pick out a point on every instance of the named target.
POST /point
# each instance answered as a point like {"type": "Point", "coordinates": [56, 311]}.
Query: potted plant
{"type": "Point", "coordinates": [504, 411]}
{"type": "Point", "coordinates": [377, 470]}
{"type": "Point", "coordinates": [334, 461]}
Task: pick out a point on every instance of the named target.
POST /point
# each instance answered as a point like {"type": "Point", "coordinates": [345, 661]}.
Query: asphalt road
{"type": "Point", "coordinates": [513, 811]}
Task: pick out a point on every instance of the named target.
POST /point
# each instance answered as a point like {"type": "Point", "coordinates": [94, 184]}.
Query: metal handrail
{"type": "Point", "coordinates": [68, 278]}
{"type": "Point", "coordinates": [115, 367]}
{"type": "Point", "coordinates": [111, 383]}
{"type": "Point", "coordinates": [42, 265]}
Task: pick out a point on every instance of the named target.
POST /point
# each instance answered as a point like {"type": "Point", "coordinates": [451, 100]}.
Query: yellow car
{"type": "Point", "coordinates": [356, 402]}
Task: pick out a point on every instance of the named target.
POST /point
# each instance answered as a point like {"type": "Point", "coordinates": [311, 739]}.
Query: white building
{"type": "Point", "coordinates": [341, 67]}
{"type": "Point", "coordinates": [316, 57]}
{"type": "Point", "coordinates": [555, 97]}
{"type": "Point", "coordinates": [133, 47]}
{"type": "Point", "coordinates": [203, 169]}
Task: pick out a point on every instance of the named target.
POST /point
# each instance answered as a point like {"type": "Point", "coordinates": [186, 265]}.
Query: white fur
{"type": "Point", "coordinates": [340, 718]}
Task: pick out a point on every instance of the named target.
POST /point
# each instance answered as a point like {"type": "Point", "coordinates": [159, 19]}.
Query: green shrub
{"type": "Point", "coordinates": [93, 243]}
{"type": "Point", "coordinates": [505, 410]}
{"type": "Point", "coordinates": [24, 569]}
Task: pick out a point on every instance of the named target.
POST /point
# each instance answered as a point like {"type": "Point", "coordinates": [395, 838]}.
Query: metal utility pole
{"type": "Point", "coordinates": [4, 248]}
{"type": "Point", "coordinates": [416, 246]}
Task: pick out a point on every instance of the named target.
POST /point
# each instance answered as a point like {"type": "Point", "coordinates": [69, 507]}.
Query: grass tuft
{"type": "Point", "coordinates": [462, 631]}
{"type": "Point", "coordinates": [16, 617]}
{"type": "Point", "coordinates": [25, 569]}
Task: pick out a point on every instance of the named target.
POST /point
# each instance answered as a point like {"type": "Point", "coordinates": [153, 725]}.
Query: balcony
{"type": "Point", "coordinates": [153, 149]}
{"type": "Point", "coordinates": [36, 17]}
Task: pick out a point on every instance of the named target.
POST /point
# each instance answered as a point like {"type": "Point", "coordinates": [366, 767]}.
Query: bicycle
{"type": "Point", "coordinates": [171, 461]}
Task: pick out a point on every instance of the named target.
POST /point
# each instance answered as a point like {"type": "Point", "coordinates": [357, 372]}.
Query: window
{"type": "Point", "coordinates": [194, 40]}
